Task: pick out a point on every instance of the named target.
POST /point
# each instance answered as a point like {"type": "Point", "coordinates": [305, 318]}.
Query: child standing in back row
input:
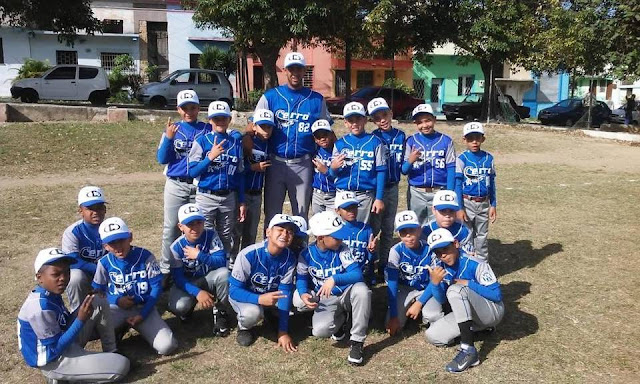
{"type": "Point", "coordinates": [324, 189]}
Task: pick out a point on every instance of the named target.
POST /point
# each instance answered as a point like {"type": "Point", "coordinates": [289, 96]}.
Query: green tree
{"type": "Point", "coordinates": [32, 68]}
{"type": "Point", "coordinates": [218, 59]}
{"type": "Point", "coordinates": [624, 28]}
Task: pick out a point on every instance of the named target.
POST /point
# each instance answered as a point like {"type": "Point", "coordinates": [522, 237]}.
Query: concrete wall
{"type": "Point", "coordinates": [126, 15]}
{"type": "Point", "coordinates": [16, 49]}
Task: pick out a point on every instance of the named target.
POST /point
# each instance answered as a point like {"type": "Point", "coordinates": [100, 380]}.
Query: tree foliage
{"type": "Point", "coordinates": [32, 68]}
{"type": "Point", "coordinates": [218, 59]}
{"type": "Point", "coordinates": [624, 28]}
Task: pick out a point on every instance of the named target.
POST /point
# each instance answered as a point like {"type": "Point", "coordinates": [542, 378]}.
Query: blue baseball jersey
{"type": "Point", "coordinates": [324, 181]}
{"type": "Point", "coordinates": [260, 272]}
{"type": "Point", "coordinates": [174, 153]}
{"type": "Point", "coordinates": [259, 153]}
{"type": "Point", "coordinates": [458, 229]}
{"type": "Point", "coordinates": [45, 327]}
{"type": "Point", "coordinates": [137, 275]}
{"type": "Point", "coordinates": [82, 241]}
{"type": "Point", "coordinates": [360, 233]}
{"type": "Point", "coordinates": [210, 257]}
{"type": "Point", "coordinates": [222, 173]}
{"type": "Point", "coordinates": [479, 274]}
{"type": "Point", "coordinates": [394, 140]}
{"type": "Point", "coordinates": [366, 155]}
{"type": "Point", "coordinates": [436, 155]}
{"type": "Point", "coordinates": [294, 112]}
{"type": "Point", "coordinates": [476, 173]}
{"type": "Point", "coordinates": [411, 264]}
{"type": "Point", "coordinates": [317, 266]}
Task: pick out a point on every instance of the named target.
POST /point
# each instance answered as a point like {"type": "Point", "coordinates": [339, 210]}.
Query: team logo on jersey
{"type": "Point", "coordinates": [90, 253]}
{"type": "Point", "coordinates": [182, 145]}
{"type": "Point", "coordinates": [190, 265]}
{"type": "Point", "coordinates": [287, 119]}
{"type": "Point", "coordinates": [263, 283]}
{"type": "Point", "coordinates": [411, 272]}
{"type": "Point", "coordinates": [257, 156]}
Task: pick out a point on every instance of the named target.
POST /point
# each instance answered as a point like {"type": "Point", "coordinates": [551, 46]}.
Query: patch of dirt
{"type": "Point", "coordinates": [77, 178]}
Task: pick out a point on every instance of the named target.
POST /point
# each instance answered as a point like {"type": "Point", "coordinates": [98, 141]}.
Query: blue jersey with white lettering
{"type": "Point", "coordinates": [174, 153]}
{"type": "Point", "coordinates": [45, 327]}
{"type": "Point", "coordinates": [394, 140]}
{"type": "Point", "coordinates": [458, 229]}
{"type": "Point", "coordinates": [317, 266]}
{"type": "Point", "coordinates": [222, 173]}
{"type": "Point", "coordinates": [366, 155]}
{"type": "Point", "coordinates": [360, 234]}
{"type": "Point", "coordinates": [437, 154]}
{"type": "Point", "coordinates": [254, 181]}
{"type": "Point", "coordinates": [479, 274]}
{"type": "Point", "coordinates": [411, 264]}
{"type": "Point", "coordinates": [82, 241]}
{"type": "Point", "coordinates": [210, 257]}
{"type": "Point", "coordinates": [294, 112]}
{"type": "Point", "coordinates": [324, 181]}
{"type": "Point", "coordinates": [137, 275]}
{"type": "Point", "coordinates": [475, 173]}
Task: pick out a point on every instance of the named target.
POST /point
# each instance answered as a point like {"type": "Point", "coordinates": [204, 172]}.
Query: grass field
{"type": "Point", "coordinates": [564, 247]}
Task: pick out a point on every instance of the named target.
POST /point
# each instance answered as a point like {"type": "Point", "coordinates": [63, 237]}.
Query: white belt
{"type": "Point", "coordinates": [292, 161]}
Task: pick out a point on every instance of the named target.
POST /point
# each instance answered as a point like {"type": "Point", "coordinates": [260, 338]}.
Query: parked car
{"type": "Point", "coordinates": [568, 112]}
{"type": "Point", "coordinates": [617, 115]}
{"type": "Point", "coordinates": [209, 85]}
{"type": "Point", "coordinates": [473, 104]}
{"type": "Point", "coordinates": [65, 82]}
{"type": "Point", "coordinates": [402, 104]}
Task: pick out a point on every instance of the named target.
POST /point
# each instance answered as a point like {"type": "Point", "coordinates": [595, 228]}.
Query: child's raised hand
{"type": "Point", "coordinates": [217, 149]}
{"type": "Point", "coordinates": [319, 166]}
{"type": "Point", "coordinates": [338, 161]}
{"type": "Point", "coordinates": [414, 155]}
{"type": "Point", "coordinates": [190, 252]}
{"type": "Point", "coordinates": [171, 129]}
{"type": "Point", "coordinates": [436, 274]}
{"type": "Point", "coordinates": [85, 310]}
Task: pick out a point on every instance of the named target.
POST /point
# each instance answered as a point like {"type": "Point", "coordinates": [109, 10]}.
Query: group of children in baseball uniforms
{"type": "Point", "coordinates": [212, 202]}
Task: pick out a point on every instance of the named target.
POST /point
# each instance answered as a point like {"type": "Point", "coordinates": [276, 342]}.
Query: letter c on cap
{"type": "Point", "coordinates": [113, 227]}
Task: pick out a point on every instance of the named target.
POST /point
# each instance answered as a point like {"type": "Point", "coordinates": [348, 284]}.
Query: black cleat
{"type": "Point", "coordinates": [245, 337]}
{"type": "Point", "coordinates": [356, 353]}
{"type": "Point", "coordinates": [220, 323]}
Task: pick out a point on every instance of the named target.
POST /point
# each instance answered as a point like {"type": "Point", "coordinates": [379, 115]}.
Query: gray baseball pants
{"type": "Point", "coordinates": [176, 194]}
{"type": "Point", "coordinates": [322, 201]}
{"type": "Point", "coordinates": [478, 214]}
{"type": "Point", "coordinates": [385, 222]}
{"type": "Point", "coordinates": [431, 310]}
{"type": "Point", "coordinates": [331, 312]}
{"type": "Point", "coordinates": [220, 214]}
{"type": "Point", "coordinates": [420, 202]}
{"type": "Point", "coordinates": [153, 329]}
{"type": "Point", "coordinates": [465, 305]}
{"type": "Point", "coordinates": [249, 315]}
{"type": "Point", "coordinates": [78, 288]}
{"type": "Point", "coordinates": [214, 282]}
{"type": "Point", "coordinates": [293, 177]}
{"type": "Point", "coordinates": [78, 364]}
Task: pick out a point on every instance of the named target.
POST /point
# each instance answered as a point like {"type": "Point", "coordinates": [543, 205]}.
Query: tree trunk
{"type": "Point", "coordinates": [269, 56]}
{"type": "Point", "coordinates": [347, 70]}
{"type": "Point", "coordinates": [490, 96]}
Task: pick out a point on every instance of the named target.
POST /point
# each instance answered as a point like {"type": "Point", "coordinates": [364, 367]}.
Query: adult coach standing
{"type": "Point", "coordinates": [295, 109]}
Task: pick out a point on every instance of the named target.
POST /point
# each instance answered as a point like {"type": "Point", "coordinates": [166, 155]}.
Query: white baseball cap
{"type": "Point", "coordinates": [280, 219]}
{"type": "Point", "coordinates": [218, 108]}
{"type": "Point", "coordinates": [294, 58]}
{"type": "Point", "coordinates": [321, 125]}
{"type": "Point", "coordinates": [406, 219]}
{"type": "Point", "coordinates": [439, 238]}
{"type": "Point", "coordinates": [50, 256]}
{"type": "Point", "coordinates": [377, 104]}
{"type": "Point", "coordinates": [301, 223]}
{"type": "Point", "coordinates": [112, 229]}
{"type": "Point", "coordinates": [90, 195]}
{"type": "Point", "coordinates": [353, 108]}
{"type": "Point", "coordinates": [328, 223]}
{"type": "Point", "coordinates": [422, 108]}
{"type": "Point", "coordinates": [446, 199]}
{"type": "Point", "coordinates": [188, 213]}
{"type": "Point", "coordinates": [345, 199]}
{"type": "Point", "coordinates": [263, 116]}
{"type": "Point", "coordinates": [472, 127]}
{"type": "Point", "coordinates": [187, 96]}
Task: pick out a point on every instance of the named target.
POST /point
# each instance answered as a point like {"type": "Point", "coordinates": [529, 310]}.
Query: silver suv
{"type": "Point", "coordinates": [209, 85]}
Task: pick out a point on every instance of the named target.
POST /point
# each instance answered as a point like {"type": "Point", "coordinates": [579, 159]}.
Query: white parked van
{"type": "Point", "coordinates": [65, 82]}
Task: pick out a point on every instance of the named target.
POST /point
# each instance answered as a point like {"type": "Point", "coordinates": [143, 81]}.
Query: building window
{"type": "Point", "coordinates": [418, 86]}
{"type": "Point", "coordinates": [389, 75]}
{"type": "Point", "coordinates": [66, 57]}
{"type": "Point", "coordinates": [108, 61]}
{"type": "Point", "coordinates": [465, 83]}
{"type": "Point", "coordinates": [194, 58]}
{"type": "Point", "coordinates": [307, 80]}
{"type": "Point", "coordinates": [112, 26]}
{"type": "Point", "coordinates": [1, 52]}
{"type": "Point", "coordinates": [364, 79]}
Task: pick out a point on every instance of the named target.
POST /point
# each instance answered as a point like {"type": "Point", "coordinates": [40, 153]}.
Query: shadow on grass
{"type": "Point", "coordinates": [506, 258]}
{"type": "Point", "coordinates": [515, 325]}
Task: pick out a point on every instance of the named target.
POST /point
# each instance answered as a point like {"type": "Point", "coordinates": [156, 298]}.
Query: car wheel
{"type": "Point", "coordinates": [568, 123]}
{"type": "Point", "coordinates": [158, 102]}
{"type": "Point", "coordinates": [98, 99]}
{"type": "Point", "coordinates": [29, 96]}
{"type": "Point", "coordinates": [451, 118]}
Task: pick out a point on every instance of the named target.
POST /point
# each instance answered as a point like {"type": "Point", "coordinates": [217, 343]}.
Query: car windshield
{"type": "Point", "coordinates": [364, 93]}
{"type": "Point", "coordinates": [473, 98]}
{"type": "Point", "coordinates": [568, 103]}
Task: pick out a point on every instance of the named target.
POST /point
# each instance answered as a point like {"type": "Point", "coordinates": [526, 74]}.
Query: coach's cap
{"type": "Point", "coordinates": [50, 256]}
{"type": "Point", "coordinates": [188, 213]}
{"type": "Point", "coordinates": [445, 199]}
{"type": "Point", "coordinates": [281, 219]}
{"type": "Point", "coordinates": [422, 108]}
{"type": "Point", "coordinates": [377, 104]}
{"type": "Point", "coordinates": [263, 116]}
{"type": "Point", "coordinates": [90, 195]}
{"type": "Point", "coordinates": [321, 125]}
{"type": "Point", "coordinates": [301, 223]}
{"type": "Point", "coordinates": [328, 223]}
{"type": "Point", "coordinates": [345, 199]}
{"type": "Point", "coordinates": [294, 58]}
{"type": "Point", "coordinates": [353, 108]}
{"type": "Point", "coordinates": [439, 238]}
{"type": "Point", "coordinates": [187, 96]}
{"type": "Point", "coordinates": [112, 229]}
{"type": "Point", "coordinates": [472, 127]}
{"type": "Point", "coordinates": [218, 108]}
{"type": "Point", "coordinates": [406, 219]}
